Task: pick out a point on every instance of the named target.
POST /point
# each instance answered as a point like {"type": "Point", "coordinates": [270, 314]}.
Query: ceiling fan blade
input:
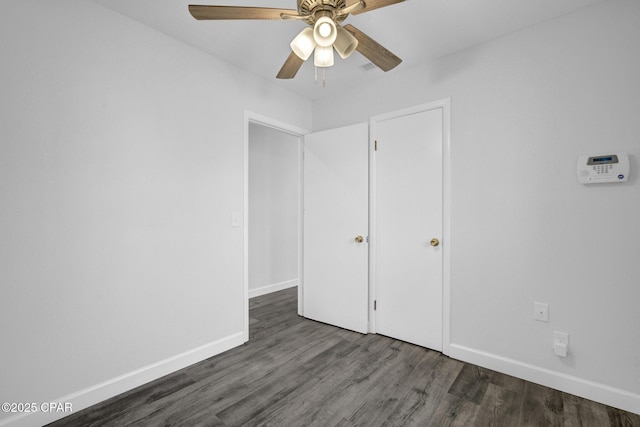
{"type": "Point", "coordinates": [290, 67]}
{"type": "Point", "coordinates": [355, 7]}
{"type": "Point", "coordinates": [371, 5]}
{"type": "Point", "coordinates": [239, 12]}
{"type": "Point", "coordinates": [373, 50]}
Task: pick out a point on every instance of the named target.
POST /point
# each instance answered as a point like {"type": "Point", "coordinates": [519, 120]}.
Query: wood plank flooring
{"type": "Point", "coordinates": [297, 372]}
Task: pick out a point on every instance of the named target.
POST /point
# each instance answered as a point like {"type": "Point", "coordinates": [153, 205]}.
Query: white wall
{"type": "Point", "coordinates": [524, 107]}
{"type": "Point", "coordinates": [274, 204]}
{"type": "Point", "coordinates": [121, 161]}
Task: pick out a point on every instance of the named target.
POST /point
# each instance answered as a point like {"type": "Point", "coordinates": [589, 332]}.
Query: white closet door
{"type": "Point", "coordinates": [409, 215]}
{"type": "Point", "coordinates": [335, 267]}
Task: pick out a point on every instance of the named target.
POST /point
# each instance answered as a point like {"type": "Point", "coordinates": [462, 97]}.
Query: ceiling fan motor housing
{"type": "Point", "coordinates": [313, 7]}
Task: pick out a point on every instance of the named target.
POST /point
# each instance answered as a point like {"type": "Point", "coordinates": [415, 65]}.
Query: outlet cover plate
{"type": "Point", "coordinates": [560, 338]}
{"type": "Point", "coordinates": [541, 311]}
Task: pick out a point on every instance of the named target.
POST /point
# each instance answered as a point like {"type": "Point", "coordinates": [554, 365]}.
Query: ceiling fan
{"type": "Point", "coordinates": [324, 34]}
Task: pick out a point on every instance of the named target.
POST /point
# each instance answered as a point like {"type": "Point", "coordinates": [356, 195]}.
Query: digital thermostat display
{"type": "Point", "coordinates": [603, 160]}
{"type": "Point", "coordinates": [603, 168]}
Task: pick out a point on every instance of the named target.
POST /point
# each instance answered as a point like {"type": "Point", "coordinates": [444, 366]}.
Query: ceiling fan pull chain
{"type": "Point", "coordinates": [324, 78]}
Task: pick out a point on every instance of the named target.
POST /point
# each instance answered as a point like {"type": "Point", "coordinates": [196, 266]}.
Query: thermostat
{"type": "Point", "coordinates": [603, 168]}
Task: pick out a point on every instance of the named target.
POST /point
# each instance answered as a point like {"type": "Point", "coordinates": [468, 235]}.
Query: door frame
{"type": "Point", "coordinates": [260, 120]}
{"type": "Point", "coordinates": [445, 105]}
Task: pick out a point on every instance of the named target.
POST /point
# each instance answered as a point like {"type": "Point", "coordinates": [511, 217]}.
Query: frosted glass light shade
{"type": "Point", "coordinates": [304, 44]}
{"type": "Point", "coordinates": [345, 43]}
{"type": "Point", "coordinates": [325, 31]}
{"type": "Point", "coordinates": [323, 56]}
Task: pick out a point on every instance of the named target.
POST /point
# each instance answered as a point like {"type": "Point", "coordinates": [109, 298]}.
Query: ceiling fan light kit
{"type": "Point", "coordinates": [325, 31]}
{"type": "Point", "coordinates": [323, 57]}
{"type": "Point", "coordinates": [304, 44]}
{"type": "Point", "coordinates": [323, 35]}
{"type": "Point", "coordinates": [345, 43]}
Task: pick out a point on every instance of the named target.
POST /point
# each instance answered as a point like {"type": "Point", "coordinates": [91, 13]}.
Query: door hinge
{"type": "Point", "coordinates": [375, 304]}
{"type": "Point", "coordinates": [375, 145]}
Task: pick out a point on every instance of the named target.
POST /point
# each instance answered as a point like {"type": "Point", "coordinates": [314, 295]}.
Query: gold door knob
{"type": "Point", "coordinates": [359, 239]}
{"type": "Point", "coordinates": [435, 242]}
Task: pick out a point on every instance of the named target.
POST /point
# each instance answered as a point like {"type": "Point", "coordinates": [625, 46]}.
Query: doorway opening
{"type": "Point", "coordinates": [272, 208]}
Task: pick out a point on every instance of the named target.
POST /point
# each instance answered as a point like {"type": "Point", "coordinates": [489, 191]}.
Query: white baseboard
{"type": "Point", "coordinates": [610, 396]}
{"type": "Point", "coordinates": [272, 288]}
{"type": "Point", "coordinates": [107, 389]}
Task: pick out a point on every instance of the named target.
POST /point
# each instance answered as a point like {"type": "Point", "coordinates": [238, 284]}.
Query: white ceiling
{"type": "Point", "coordinates": [416, 30]}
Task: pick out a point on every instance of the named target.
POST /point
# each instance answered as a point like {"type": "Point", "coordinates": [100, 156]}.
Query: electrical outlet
{"type": "Point", "coordinates": [560, 343]}
{"type": "Point", "coordinates": [541, 311]}
{"type": "Point", "coordinates": [560, 338]}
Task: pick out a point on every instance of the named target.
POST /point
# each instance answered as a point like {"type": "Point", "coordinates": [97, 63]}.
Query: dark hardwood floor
{"type": "Point", "coordinates": [297, 372]}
